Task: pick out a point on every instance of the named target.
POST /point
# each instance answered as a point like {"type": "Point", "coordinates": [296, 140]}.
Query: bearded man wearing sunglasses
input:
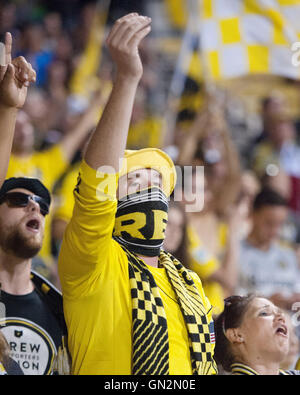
{"type": "Point", "coordinates": [31, 316]}
{"type": "Point", "coordinates": [33, 322]}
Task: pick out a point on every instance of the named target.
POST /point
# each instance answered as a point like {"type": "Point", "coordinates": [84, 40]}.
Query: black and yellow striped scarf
{"type": "Point", "coordinates": [150, 331]}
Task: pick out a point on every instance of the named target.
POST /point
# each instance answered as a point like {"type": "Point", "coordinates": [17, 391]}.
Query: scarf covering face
{"type": "Point", "coordinates": [141, 220]}
{"type": "Point", "coordinates": [150, 342]}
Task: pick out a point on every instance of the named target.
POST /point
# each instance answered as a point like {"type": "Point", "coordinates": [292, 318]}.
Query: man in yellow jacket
{"type": "Point", "coordinates": [130, 307]}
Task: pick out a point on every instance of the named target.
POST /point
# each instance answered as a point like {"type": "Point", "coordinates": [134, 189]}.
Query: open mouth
{"type": "Point", "coordinates": [33, 225]}
{"type": "Point", "coordinates": [282, 330]}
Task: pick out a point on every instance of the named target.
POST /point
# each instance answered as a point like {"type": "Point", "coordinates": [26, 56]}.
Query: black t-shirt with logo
{"type": "Point", "coordinates": [32, 332]}
{"type": "Point", "coordinates": [12, 368]}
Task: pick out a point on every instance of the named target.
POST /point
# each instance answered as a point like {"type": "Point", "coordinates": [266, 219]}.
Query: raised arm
{"type": "Point", "coordinates": [108, 142]}
{"type": "Point", "coordinates": [195, 135]}
{"type": "Point", "coordinates": [87, 241]}
{"type": "Point", "coordinates": [15, 77]}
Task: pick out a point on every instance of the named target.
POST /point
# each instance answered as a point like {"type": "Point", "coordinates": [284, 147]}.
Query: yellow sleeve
{"type": "Point", "coordinates": [87, 241]}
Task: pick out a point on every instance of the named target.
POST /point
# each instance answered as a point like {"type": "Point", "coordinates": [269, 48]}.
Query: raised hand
{"type": "Point", "coordinates": [108, 142]}
{"type": "Point", "coordinates": [123, 42]}
{"type": "Point", "coordinates": [15, 77]}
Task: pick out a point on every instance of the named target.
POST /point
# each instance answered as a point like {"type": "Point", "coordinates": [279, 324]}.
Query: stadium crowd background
{"type": "Point", "coordinates": [235, 129]}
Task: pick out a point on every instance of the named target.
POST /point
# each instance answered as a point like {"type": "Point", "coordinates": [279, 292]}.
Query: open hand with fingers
{"type": "Point", "coordinates": [15, 77]}
{"type": "Point", "coordinates": [108, 142]}
{"type": "Point", "coordinates": [123, 42]}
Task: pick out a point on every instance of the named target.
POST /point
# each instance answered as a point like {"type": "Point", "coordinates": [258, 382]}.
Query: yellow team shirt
{"type": "Point", "coordinates": [93, 270]}
{"type": "Point", "coordinates": [48, 166]}
{"type": "Point", "coordinates": [205, 264]}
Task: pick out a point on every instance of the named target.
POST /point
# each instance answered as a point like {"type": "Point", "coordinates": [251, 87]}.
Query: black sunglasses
{"type": "Point", "coordinates": [20, 199]}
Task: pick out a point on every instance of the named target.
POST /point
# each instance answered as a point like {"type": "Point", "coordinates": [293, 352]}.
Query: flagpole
{"type": "Point", "coordinates": [192, 32]}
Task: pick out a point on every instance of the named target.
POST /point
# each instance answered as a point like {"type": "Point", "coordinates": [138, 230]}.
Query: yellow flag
{"type": "Point", "coordinates": [249, 37]}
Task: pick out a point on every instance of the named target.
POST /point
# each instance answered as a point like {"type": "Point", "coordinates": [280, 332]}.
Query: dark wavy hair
{"type": "Point", "coordinates": [235, 308]}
